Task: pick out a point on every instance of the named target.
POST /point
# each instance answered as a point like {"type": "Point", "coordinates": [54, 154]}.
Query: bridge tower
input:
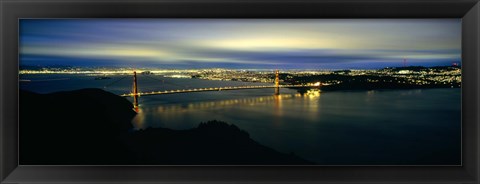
{"type": "Point", "coordinates": [277, 85]}
{"type": "Point", "coordinates": [135, 90]}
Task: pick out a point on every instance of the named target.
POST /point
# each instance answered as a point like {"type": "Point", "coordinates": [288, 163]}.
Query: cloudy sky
{"type": "Point", "coordinates": [241, 43]}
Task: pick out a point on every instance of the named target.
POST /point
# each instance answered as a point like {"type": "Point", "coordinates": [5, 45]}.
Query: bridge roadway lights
{"type": "Point", "coordinates": [212, 89]}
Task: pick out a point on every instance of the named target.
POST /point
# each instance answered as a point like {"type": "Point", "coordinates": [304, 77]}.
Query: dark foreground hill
{"type": "Point", "coordinates": [92, 127]}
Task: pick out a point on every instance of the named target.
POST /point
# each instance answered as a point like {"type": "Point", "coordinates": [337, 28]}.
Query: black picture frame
{"type": "Point", "coordinates": [11, 11]}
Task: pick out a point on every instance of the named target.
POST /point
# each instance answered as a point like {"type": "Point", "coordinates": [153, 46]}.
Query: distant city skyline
{"type": "Point", "coordinates": [241, 43]}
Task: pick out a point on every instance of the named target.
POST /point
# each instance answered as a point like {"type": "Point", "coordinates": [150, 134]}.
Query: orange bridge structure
{"type": "Point", "coordinates": [136, 94]}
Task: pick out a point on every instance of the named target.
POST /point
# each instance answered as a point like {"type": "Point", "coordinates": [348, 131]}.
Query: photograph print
{"type": "Point", "coordinates": [285, 92]}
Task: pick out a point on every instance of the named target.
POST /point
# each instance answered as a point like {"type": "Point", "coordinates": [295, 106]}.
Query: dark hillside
{"type": "Point", "coordinates": [93, 127]}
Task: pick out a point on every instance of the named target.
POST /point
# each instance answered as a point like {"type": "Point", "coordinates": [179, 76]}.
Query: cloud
{"type": "Point", "coordinates": [243, 42]}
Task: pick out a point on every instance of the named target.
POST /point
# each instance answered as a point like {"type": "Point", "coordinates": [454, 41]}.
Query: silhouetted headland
{"type": "Point", "coordinates": [93, 127]}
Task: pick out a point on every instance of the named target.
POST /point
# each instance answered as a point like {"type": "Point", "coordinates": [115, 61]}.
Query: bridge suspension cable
{"type": "Point", "coordinates": [114, 82]}
{"type": "Point", "coordinates": [163, 81]}
{"type": "Point", "coordinates": [276, 85]}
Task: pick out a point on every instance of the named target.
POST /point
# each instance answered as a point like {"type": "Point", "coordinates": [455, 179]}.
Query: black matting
{"type": "Point", "coordinates": [11, 11]}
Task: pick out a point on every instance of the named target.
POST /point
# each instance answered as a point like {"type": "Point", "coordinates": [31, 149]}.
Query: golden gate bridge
{"type": "Point", "coordinates": [135, 94]}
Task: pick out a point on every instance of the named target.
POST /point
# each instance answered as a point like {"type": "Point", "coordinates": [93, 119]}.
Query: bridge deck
{"type": "Point", "coordinates": [213, 89]}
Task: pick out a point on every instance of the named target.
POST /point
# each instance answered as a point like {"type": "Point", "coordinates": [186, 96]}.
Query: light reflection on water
{"type": "Point", "coordinates": [147, 115]}
{"type": "Point", "coordinates": [341, 127]}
